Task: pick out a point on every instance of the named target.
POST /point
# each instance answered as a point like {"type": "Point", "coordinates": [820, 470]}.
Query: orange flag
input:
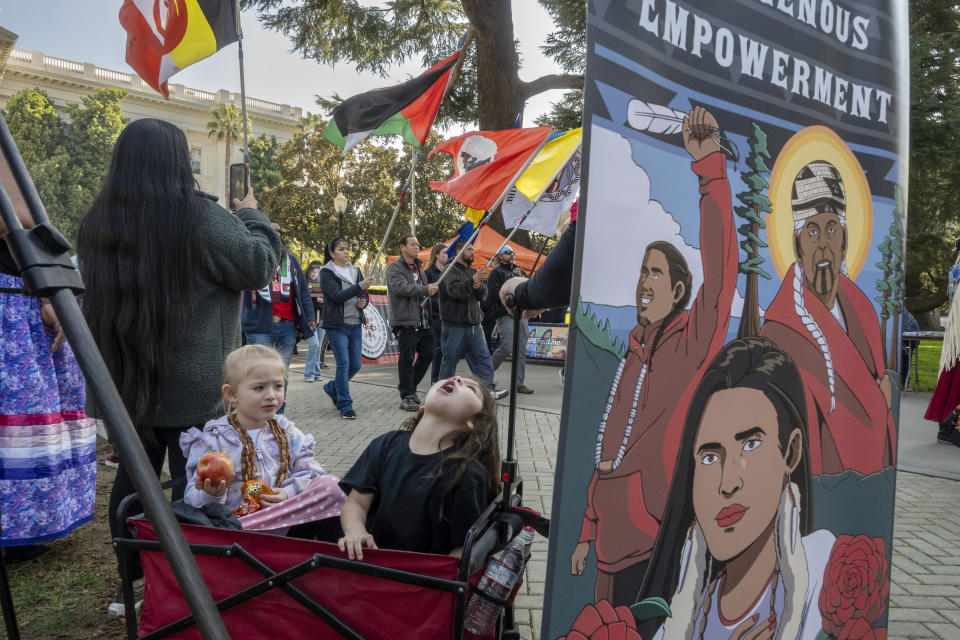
{"type": "Point", "coordinates": [487, 163]}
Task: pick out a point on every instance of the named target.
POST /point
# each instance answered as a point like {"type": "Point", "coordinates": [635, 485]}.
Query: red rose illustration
{"type": "Point", "coordinates": [855, 588]}
{"type": "Point", "coordinates": [603, 622]}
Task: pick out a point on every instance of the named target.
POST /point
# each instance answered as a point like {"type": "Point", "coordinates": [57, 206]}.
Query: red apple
{"type": "Point", "coordinates": [216, 466]}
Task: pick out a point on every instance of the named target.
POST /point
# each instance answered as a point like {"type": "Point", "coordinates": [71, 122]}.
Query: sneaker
{"type": "Point", "coordinates": [496, 394]}
{"type": "Point", "coordinates": [117, 608]}
{"type": "Point", "coordinates": [416, 398]}
{"type": "Point", "coordinates": [309, 379]}
{"type": "Point", "coordinates": [322, 364]}
{"type": "Point", "coordinates": [332, 396]}
{"type": "Point", "coordinates": [112, 460]}
{"type": "Point", "coordinates": [524, 389]}
{"type": "Point", "coordinates": [409, 404]}
{"type": "Point", "coordinates": [349, 415]}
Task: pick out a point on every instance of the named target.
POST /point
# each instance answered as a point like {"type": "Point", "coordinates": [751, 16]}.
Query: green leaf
{"type": "Point", "coordinates": [755, 181]}
{"type": "Point", "coordinates": [756, 162]}
{"type": "Point", "coordinates": [823, 635]}
{"type": "Point", "coordinates": [753, 198]}
{"type": "Point", "coordinates": [650, 608]}
{"type": "Point", "coordinates": [758, 140]}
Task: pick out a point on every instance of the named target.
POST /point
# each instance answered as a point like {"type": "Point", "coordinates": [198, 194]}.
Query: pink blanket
{"type": "Point", "coordinates": [322, 498]}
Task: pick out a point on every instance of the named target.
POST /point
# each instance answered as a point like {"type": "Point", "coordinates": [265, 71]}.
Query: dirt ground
{"type": "Point", "coordinates": [64, 593]}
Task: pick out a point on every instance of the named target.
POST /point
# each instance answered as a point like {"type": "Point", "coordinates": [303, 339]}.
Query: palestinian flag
{"type": "Point", "coordinates": [487, 163]}
{"type": "Point", "coordinates": [407, 109]}
{"type": "Point", "coordinates": [165, 37]}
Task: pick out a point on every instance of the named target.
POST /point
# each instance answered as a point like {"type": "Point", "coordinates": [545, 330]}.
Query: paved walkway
{"type": "Point", "coordinates": [925, 590]}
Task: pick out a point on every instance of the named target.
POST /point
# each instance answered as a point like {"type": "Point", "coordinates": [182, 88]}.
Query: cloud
{"type": "Point", "coordinates": [623, 220]}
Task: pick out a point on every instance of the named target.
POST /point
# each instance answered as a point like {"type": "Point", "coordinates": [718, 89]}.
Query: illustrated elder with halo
{"type": "Point", "coordinates": [826, 324]}
{"type": "Point", "coordinates": [637, 441]}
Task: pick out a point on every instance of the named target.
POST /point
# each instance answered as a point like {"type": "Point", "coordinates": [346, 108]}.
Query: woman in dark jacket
{"type": "Point", "coordinates": [344, 299]}
{"type": "Point", "coordinates": [164, 268]}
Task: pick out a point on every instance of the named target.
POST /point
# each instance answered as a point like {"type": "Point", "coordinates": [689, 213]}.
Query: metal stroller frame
{"type": "Point", "coordinates": [497, 525]}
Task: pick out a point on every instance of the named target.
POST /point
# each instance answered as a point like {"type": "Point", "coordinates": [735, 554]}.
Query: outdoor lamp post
{"type": "Point", "coordinates": [340, 205]}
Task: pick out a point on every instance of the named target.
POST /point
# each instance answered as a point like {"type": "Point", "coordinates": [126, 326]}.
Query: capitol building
{"type": "Point", "coordinates": [67, 81]}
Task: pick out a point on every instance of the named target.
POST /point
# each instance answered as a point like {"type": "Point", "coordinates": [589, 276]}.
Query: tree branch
{"type": "Point", "coordinates": [552, 81]}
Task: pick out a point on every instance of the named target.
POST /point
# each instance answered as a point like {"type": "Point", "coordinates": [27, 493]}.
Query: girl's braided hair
{"type": "Point", "coordinates": [236, 368]}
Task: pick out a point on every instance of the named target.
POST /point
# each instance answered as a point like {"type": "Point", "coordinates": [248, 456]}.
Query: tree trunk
{"type": "Point", "coordinates": [925, 302]}
{"type": "Point", "coordinates": [500, 96]}
{"type": "Point", "coordinates": [883, 319]}
{"type": "Point", "coordinates": [894, 354]}
{"type": "Point", "coordinates": [499, 88]}
{"type": "Point", "coordinates": [226, 168]}
{"type": "Point", "coordinates": [750, 318]}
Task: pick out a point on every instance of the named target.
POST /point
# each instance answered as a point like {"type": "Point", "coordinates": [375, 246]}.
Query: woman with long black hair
{"type": "Point", "coordinates": [735, 555]}
{"type": "Point", "coordinates": [164, 267]}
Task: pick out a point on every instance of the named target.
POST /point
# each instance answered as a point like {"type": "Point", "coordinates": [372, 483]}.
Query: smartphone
{"type": "Point", "coordinates": [239, 182]}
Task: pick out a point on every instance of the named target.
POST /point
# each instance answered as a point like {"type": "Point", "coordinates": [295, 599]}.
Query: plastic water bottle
{"type": "Point", "coordinates": [494, 588]}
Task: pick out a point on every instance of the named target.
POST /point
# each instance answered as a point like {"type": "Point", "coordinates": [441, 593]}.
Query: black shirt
{"type": "Point", "coordinates": [408, 497]}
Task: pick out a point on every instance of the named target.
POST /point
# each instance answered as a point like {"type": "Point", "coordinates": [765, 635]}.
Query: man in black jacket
{"type": "Point", "coordinates": [462, 336]}
{"type": "Point", "coordinates": [504, 271]}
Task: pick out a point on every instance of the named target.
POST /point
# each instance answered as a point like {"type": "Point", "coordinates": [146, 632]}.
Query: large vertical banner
{"type": "Point", "coordinates": [726, 464]}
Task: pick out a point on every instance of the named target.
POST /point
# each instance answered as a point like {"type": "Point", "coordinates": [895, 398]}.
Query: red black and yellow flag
{"type": "Point", "coordinates": [165, 36]}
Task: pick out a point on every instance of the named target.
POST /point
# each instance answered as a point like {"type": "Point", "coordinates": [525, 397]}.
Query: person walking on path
{"type": "Point", "coordinates": [344, 299]}
{"type": "Point", "coordinates": [435, 264]}
{"type": "Point", "coordinates": [165, 334]}
{"type": "Point", "coordinates": [504, 271]}
{"type": "Point", "coordinates": [317, 342]}
{"type": "Point", "coordinates": [272, 315]}
{"type": "Point", "coordinates": [462, 336]}
{"type": "Point", "coordinates": [409, 289]}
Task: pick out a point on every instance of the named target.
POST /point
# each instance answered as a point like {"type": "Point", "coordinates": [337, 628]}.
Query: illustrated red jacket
{"type": "Point", "coordinates": [859, 432]}
{"type": "Point", "coordinates": [625, 505]}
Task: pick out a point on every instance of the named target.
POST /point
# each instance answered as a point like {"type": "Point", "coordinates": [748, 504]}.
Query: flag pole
{"type": "Point", "coordinates": [413, 195]}
{"type": "Point", "coordinates": [396, 210]}
{"type": "Point", "coordinates": [543, 245]}
{"type": "Point", "coordinates": [450, 264]}
{"type": "Point", "coordinates": [243, 90]}
{"type": "Point", "coordinates": [511, 234]}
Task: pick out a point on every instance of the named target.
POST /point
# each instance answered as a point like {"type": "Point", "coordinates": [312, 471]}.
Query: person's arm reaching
{"type": "Point", "coordinates": [353, 519]}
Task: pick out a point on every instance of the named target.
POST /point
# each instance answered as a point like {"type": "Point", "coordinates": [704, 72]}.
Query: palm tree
{"type": "Point", "coordinates": [225, 126]}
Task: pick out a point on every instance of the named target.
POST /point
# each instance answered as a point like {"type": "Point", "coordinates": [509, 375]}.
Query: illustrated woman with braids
{"type": "Point", "coordinates": [261, 443]}
{"type": "Point", "coordinates": [735, 557]}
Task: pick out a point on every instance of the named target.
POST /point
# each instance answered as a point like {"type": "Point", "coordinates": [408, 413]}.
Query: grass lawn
{"type": "Point", "coordinates": [929, 365]}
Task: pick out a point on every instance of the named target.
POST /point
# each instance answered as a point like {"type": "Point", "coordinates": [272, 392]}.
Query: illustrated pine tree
{"type": "Point", "coordinates": [883, 286]}
{"type": "Point", "coordinates": [891, 285]}
{"type": "Point", "coordinates": [755, 204]}
{"type": "Point", "coordinates": [896, 279]}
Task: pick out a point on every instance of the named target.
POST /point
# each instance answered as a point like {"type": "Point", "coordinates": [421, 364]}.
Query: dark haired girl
{"type": "Point", "coordinates": [344, 299]}
{"type": "Point", "coordinates": [735, 556]}
{"type": "Point", "coordinates": [164, 268]}
{"type": "Point", "coordinates": [423, 487]}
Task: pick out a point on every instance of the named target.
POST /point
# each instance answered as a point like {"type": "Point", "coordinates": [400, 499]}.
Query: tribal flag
{"type": "Point", "coordinates": [552, 182]}
{"type": "Point", "coordinates": [166, 36]}
{"type": "Point", "coordinates": [407, 109]}
{"type": "Point", "coordinates": [487, 163]}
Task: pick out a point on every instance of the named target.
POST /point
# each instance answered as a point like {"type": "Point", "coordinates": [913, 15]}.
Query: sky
{"type": "Point", "coordinates": [90, 32]}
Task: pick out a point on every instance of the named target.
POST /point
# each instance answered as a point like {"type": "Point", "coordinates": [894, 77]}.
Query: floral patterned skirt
{"type": "Point", "coordinates": [48, 445]}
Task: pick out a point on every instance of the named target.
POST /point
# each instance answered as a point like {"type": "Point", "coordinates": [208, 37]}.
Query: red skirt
{"type": "Point", "coordinates": [946, 396]}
